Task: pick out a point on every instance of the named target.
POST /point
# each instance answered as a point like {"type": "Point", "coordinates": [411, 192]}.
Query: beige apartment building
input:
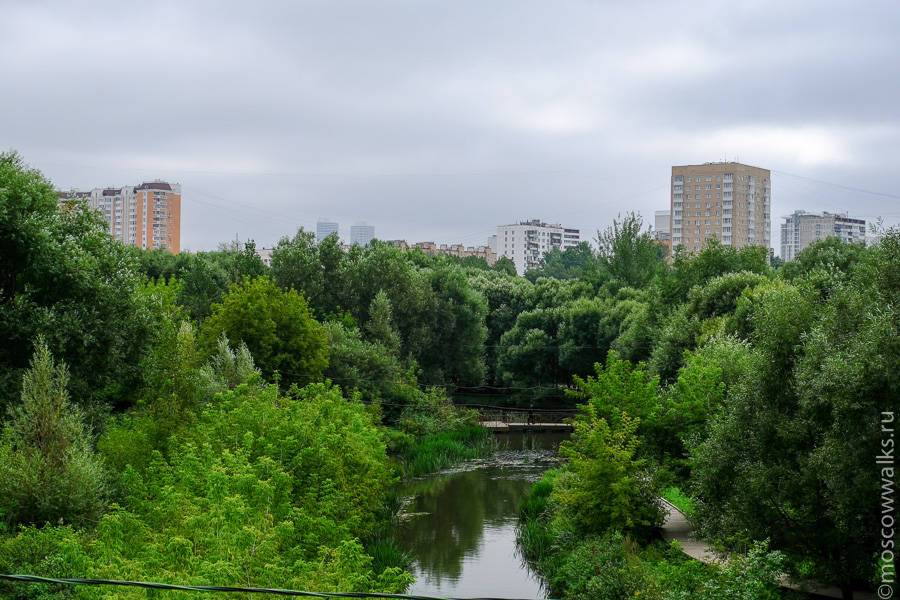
{"type": "Point", "coordinates": [147, 215]}
{"type": "Point", "coordinates": [457, 250]}
{"type": "Point", "coordinates": [728, 201]}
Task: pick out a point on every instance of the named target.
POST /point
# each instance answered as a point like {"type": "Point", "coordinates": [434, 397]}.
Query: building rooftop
{"type": "Point", "coordinates": [155, 185]}
{"type": "Point", "coordinates": [720, 164]}
{"type": "Point", "coordinates": [537, 223]}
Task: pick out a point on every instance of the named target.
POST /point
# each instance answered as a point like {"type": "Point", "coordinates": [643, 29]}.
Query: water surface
{"type": "Point", "coordinates": [460, 525]}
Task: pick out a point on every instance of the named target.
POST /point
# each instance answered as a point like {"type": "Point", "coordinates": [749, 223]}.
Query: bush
{"type": "Point", "coordinates": [601, 568]}
{"type": "Point", "coordinates": [264, 489]}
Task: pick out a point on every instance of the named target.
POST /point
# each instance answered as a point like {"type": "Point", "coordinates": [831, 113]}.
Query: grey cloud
{"type": "Point", "coordinates": [437, 120]}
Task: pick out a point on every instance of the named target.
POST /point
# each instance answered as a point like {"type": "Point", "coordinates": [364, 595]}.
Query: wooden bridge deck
{"type": "Point", "coordinates": [501, 426]}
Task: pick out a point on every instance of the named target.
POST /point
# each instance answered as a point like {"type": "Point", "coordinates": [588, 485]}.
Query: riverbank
{"type": "Point", "coordinates": [612, 564]}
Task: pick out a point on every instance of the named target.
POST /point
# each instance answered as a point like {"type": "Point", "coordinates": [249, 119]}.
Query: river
{"type": "Point", "coordinates": [460, 525]}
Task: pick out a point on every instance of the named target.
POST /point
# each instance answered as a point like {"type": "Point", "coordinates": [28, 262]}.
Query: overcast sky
{"type": "Point", "coordinates": [440, 120]}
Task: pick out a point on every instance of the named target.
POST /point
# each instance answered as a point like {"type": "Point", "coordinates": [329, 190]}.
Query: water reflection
{"type": "Point", "coordinates": [460, 525]}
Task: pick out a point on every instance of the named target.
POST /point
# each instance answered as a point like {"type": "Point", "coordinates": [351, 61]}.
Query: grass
{"type": "Point", "coordinates": [533, 534]}
{"type": "Point", "coordinates": [680, 500]}
{"type": "Point", "coordinates": [385, 553]}
{"type": "Point", "coordinates": [441, 450]}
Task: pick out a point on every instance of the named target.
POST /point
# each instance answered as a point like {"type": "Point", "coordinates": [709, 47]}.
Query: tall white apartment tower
{"type": "Point", "coordinates": [362, 234]}
{"type": "Point", "coordinates": [324, 228]}
{"type": "Point", "coordinates": [801, 229]}
{"type": "Point", "coordinates": [526, 242]}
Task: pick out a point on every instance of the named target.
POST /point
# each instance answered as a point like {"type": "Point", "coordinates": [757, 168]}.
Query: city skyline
{"type": "Point", "coordinates": [398, 124]}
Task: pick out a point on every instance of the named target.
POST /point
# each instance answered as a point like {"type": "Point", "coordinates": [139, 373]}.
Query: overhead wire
{"type": "Point", "coordinates": [152, 585]}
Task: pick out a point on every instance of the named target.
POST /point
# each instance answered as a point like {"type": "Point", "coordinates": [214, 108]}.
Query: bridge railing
{"type": "Point", "coordinates": [510, 414]}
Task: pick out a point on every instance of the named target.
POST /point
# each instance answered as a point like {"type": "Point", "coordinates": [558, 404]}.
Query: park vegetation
{"type": "Point", "coordinates": [754, 404]}
{"type": "Point", "coordinates": [206, 418]}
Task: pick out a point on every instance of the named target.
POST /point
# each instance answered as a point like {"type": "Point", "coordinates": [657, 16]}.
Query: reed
{"type": "Point", "coordinates": [438, 451]}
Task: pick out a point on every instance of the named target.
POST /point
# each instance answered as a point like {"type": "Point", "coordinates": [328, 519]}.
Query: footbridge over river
{"type": "Point", "coordinates": [501, 419]}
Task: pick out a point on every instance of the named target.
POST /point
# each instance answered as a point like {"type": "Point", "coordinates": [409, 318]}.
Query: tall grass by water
{"type": "Point", "coordinates": [386, 553]}
{"type": "Point", "coordinates": [533, 534]}
{"type": "Point", "coordinates": [438, 451]}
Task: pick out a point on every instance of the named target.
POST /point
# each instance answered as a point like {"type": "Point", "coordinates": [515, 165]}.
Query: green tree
{"type": "Point", "coordinates": [631, 257]}
{"type": "Point", "coordinates": [689, 270]}
{"type": "Point", "coordinates": [276, 326]}
{"type": "Point", "coordinates": [380, 328]}
{"type": "Point", "coordinates": [62, 276]}
{"type": "Point", "coordinates": [583, 341]}
{"type": "Point", "coordinates": [506, 297]}
{"type": "Point", "coordinates": [846, 384]}
{"type": "Point", "coordinates": [604, 485]}
{"type": "Point", "coordinates": [575, 262]}
{"type": "Point", "coordinates": [457, 330]}
{"type": "Point", "coordinates": [716, 306]}
{"type": "Point", "coordinates": [336, 293]}
{"type": "Point", "coordinates": [263, 489]}
{"type": "Point", "coordinates": [247, 263]}
{"type": "Point", "coordinates": [620, 389]}
{"type": "Point", "coordinates": [506, 266]}
{"type": "Point", "coordinates": [48, 472]}
{"type": "Point", "coordinates": [632, 323]}
{"type": "Point", "coordinates": [296, 266]}
{"type": "Point", "coordinates": [381, 267]}
{"type": "Point", "coordinates": [788, 457]}
{"type": "Point", "coordinates": [830, 254]}
{"type": "Point", "coordinates": [358, 365]}
{"type": "Point", "coordinates": [202, 283]}
{"type": "Point", "coordinates": [528, 354]}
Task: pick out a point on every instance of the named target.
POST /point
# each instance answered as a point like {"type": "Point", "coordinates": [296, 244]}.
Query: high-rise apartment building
{"type": "Point", "coordinates": [526, 242]}
{"type": "Point", "coordinates": [662, 221]}
{"type": "Point", "coordinates": [662, 228]}
{"type": "Point", "coordinates": [802, 228]}
{"type": "Point", "coordinates": [325, 228]}
{"type": "Point", "coordinates": [728, 201]}
{"type": "Point", "coordinates": [361, 234]}
{"type": "Point", "coordinates": [147, 215]}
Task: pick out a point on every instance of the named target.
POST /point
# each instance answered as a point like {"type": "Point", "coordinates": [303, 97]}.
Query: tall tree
{"type": "Point", "coordinates": [63, 276]}
{"type": "Point", "coordinates": [276, 326]}
{"type": "Point", "coordinates": [790, 455]}
{"type": "Point", "coordinates": [48, 472]}
{"type": "Point", "coordinates": [630, 256]}
{"type": "Point", "coordinates": [457, 330]}
{"type": "Point", "coordinates": [380, 327]}
{"type": "Point", "coordinates": [295, 265]}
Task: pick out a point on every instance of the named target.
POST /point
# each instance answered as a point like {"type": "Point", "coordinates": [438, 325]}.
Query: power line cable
{"type": "Point", "coordinates": [151, 585]}
{"type": "Point", "coordinates": [848, 188]}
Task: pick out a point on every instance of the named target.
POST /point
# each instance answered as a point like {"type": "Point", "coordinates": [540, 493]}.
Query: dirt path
{"type": "Point", "coordinates": [677, 527]}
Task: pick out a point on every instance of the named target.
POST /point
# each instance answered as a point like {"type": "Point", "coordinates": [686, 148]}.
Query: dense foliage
{"type": "Point", "coordinates": [762, 396]}
{"type": "Point", "coordinates": [206, 417]}
{"type": "Point", "coordinates": [275, 325]}
{"type": "Point", "coordinates": [64, 278]}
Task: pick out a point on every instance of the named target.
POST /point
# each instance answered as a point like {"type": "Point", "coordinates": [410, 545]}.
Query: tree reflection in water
{"type": "Point", "coordinates": [460, 525]}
